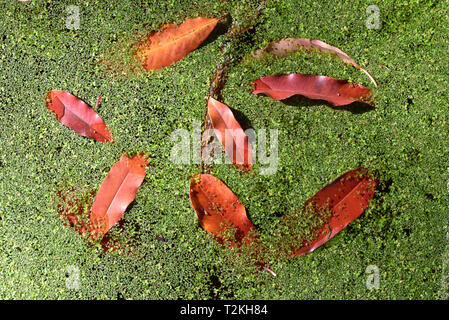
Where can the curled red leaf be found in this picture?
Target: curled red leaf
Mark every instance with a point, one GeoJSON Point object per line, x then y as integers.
{"type": "Point", "coordinates": [288, 45]}
{"type": "Point", "coordinates": [338, 92]}
{"type": "Point", "coordinates": [117, 191]}
{"type": "Point", "coordinates": [77, 115]}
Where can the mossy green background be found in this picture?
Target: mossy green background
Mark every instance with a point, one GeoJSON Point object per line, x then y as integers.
{"type": "Point", "coordinates": [405, 139]}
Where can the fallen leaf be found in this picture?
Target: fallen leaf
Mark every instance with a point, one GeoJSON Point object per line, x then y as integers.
{"type": "Point", "coordinates": [219, 209]}
{"type": "Point", "coordinates": [344, 200]}
{"type": "Point", "coordinates": [163, 48]}
{"type": "Point", "coordinates": [77, 115]}
{"type": "Point", "coordinates": [117, 191]}
{"type": "Point", "coordinates": [338, 92]}
{"type": "Point", "coordinates": [285, 46]}
{"type": "Point", "coordinates": [230, 133]}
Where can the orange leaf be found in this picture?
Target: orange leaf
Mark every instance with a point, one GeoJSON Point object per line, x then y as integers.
{"type": "Point", "coordinates": [345, 199]}
{"type": "Point", "coordinates": [338, 92]}
{"type": "Point", "coordinates": [117, 191]}
{"type": "Point", "coordinates": [227, 127]}
{"type": "Point", "coordinates": [77, 115]}
{"type": "Point", "coordinates": [218, 208]}
{"type": "Point", "coordinates": [163, 48]}
{"type": "Point", "coordinates": [282, 47]}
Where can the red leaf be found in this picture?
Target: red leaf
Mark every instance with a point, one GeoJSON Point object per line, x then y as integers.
{"type": "Point", "coordinates": [77, 115]}
{"type": "Point", "coordinates": [283, 47]}
{"type": "Point", "coordinates": [117, 191]}
{"type": "Point", "coordinates": [163, 48]}
{"type": "Point", "coordinates": [226, 128]}
{"type": "Point", "coordinates": [345, 199]}
{"type": "Point", "coordinates": [218, 208]}
{"type": "Point", "coordinates": [338, 92]}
